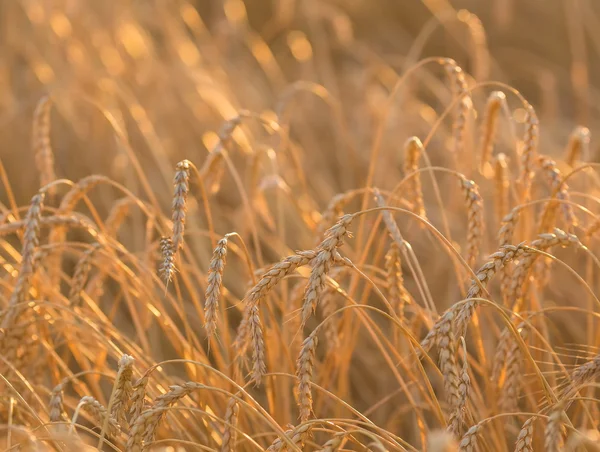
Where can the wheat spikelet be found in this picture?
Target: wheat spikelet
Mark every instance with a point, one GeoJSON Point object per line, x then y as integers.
{"type": "Point", "coordinates": [333, 444]}
{"type": "Point", "coordinates": [99, 412]}
{"type": "Point", "coordinates": [475, 221]}
{"type": "Point", "coordinates": [528, 154]}
{"type": "Point", "coordinates": [489, 126]}
{"type": "Point", "coordinates": [56, 407]}
{"type": "Point", "coordinates": [181, 183]}
{"type": "Point", "coordinates": [123, 390]}
{"type": "Point", "coordinates": [334, 210]}
{"type": "Point", "coordinates": [117, 215]}
{"type": "Point", "coordinates": [446, 344]}
{"type": "Point", "coordinates": [44, 156]}
{"type": "Point", "coordinates": [579, 146]}
{"type": "Point", "coordinates": [330, 327]}
{"type": "Point", "coordinates": [582, 375]}
{"type": "Point", "coordinates": [326, 256]}
{"type": "Point", "coordinates": [213, 288]}
{"type": "Point", "coordinates": [230, 432]}
{"type": "Point", "coordinates": [525, 438]}
{"type": "Point", "coordinates": [413, 148]}
{"type": "Point", "coordinates": [304, 371]}
{"type": "Point", "coordinates": [80, 275]}
{"type": "Point", "coordinates": [468, 443]}
{"type": "Point", "coordinates": [505, 237]}
{"type": "Point", "coordinates": [296, 435]}
{"type": "Point", "coordinates": [167, 268]}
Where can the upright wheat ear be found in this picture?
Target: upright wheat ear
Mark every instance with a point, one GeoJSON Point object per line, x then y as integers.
{"type": "Point", "coordinates": [413, 149]}
{"type": "Point", "coordinates": [304, 373]}
{"type": "Point", "coordinates": [181, 183]}
{"type": "Point", "coordinates": [213, 289]}
{"type": "Point", "coordinates": [475, 222]}
{"type": "Point", "coordinates": [44, 156]}
{"type": "Point", "coordinates": [31, 239]}
{"type": "Point", "coordinates": [525, 438]}
{"type": "Point", "coordinates": [460, 90]}
{"type": "Point", "coordinates": [489, 126]}
{"type": "Point", "coordinates": [501, 186]}
{"type": "Point", "coordinates": [167, 268]}
{"type": "Point", "coordinates": [529, 150]}
{"type": "Point", "coordinates": [579, 146]}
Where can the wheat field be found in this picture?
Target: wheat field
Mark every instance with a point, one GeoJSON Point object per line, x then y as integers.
{"type": "Point", "coordinates": [299, 225]}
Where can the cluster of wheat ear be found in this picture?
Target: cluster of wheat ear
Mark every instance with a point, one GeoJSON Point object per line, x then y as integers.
{"type": "Point", "coordinates": [236, 242]}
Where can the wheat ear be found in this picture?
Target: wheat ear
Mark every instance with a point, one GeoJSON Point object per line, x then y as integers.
{"type": "Point", "coordinates": [230, 432]}
{"type": "Point", "coordinates": [579, 146]}
{"type": "Point", "coordinates": [123, 390]}
{"type": "Point", "coordinates": [457, 417]}
{"type": "Point", "coordinates": [554, 434]}
{"type": "Point", "coordinates": [213, 288]}
{"type": "Point", "coordinates": [44, 156]}
{"type": "Point", "coordinates": [528, 154]}
{"type": "Point", "coordinates": [475, 223]}
{"type": "Point", "coordinates": [56, 406]}
{"type": "Point", "coordinates": [399, 296]}
{"type": "Point", "coordinates": [304, 371]}
{"type": "Point", "coordinates": [413, 149]}
{"type": "Point", "coordinates": [501, 185]}
{"type": "Point", "coordinates": [167, 267]}
{"type": "Point", "coordinates": [489, 126]}
{"type": "Point", "coordinates": [80, 275]}
{"type": "Point", "coordinates": [181, 183]}
{"type": "Point", "coordinates": [326, 256]}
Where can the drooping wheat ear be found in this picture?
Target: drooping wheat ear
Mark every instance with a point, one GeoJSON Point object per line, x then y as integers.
{"type": "Point", "coordinates": [123, 390]}
{"type": "Point", "coordinates": [44, 156]}
{"type": "Point", "coordinates": [457, 417]}
{"type": "Point", "coordinates": [230, 432]}
{"type": "Point", "coordinates": [80, 190]}
{"type": "Point", "coordinates": [138, 397]}
{"type": "Point", "coordinates": [582, 375]}
{"type": "Point", "coordinates": [459, 89]}
{"type": "Point", "coordinates": [56, 407]}
{"type": "Point", "coordinates": [501, 185]}
{"type": "Point", "coordinates": [529, 151]}
{"type": "Point", "coordinates": [489, 126]}
{"type": "Point", "coordinates": [167, 268]}
{"type": "Point", "coordinates": [509, 397]}
{"type": "Point", "coordinates": [213, 288]}
{"type": "Point", "coordinates": [399, 296]}
{"type": "Point", "coordinates": [262, 288]}
{"type": "Point", "coordinates": [525, 439]}
{"type": "Point", "coordinates": [579, 146]}
{"type": "Point", "coordinates": [144, 427]}
{"type": "Point", "coordinates": [446, 344]}
{"type": "Point", "coordinates": [296, 435]}
{"type": "Point", "coordinates": [116, 216]}
{"type": "Point", "coordinates": [333, 444]}
{"type": "Point", "coordinates": [304, 371]}
{"type": "Point", "coordinates": [441, 441]}
{"type": "Point", "coordinates": [464, 312]}
{"type": "Point", "coordinates": [554, 434]}
{"type": "Point", "coordinates": [334, 210]}
{"type": "Point", "coordinates": [475, 223]}
{"type": "Point", "coordinates": [480, 51]}
{"type": "Point", "coordinates": [212, 171]}
{"type": "Point", "coordinates": [31, 238]}
{"type": "Point", "coordinates": [413, 149]}
{"type": "Point", "coordinates": [181, 184]}
{"type": "Point", "coordinates": [80, 275]}
{"type": "Point", "coordinates": [468, 443]}
{"type": "Point", "coordinates": [326, 256]}
{"type": "Point", "coordinates": [97, 410]}
{"type": "Point", "coordinates": [543, 243]}
{"type": "Point", "coordinates": [561, 191]}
